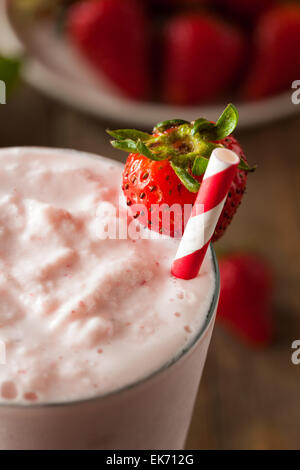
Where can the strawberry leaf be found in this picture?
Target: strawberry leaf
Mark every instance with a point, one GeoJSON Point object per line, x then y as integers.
{"type": "Point", "coordinates": [207, 151]}
{"type": "Point", "coordinates": [199, 166]}
{"type": "Point", "coordinates": [143, 150]}
{"type": "Point", "coordinates": [244, 166]}
{"type": "Point", "coordinates": [133, 134]}
{"type": "Point", "coordinates": [127, 145]}
{"type": "Point", "coordinates": [187, 180]}
{"type": "Point", "coordinates": [225, 125]}
{"type": "Point", "coordinates": [202, 125]}
{"type": "Point", "coordinates": [227, 122]}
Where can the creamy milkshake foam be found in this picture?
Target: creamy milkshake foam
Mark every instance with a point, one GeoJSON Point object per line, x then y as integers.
{"type": "Point", "coordinates": [82, 316]}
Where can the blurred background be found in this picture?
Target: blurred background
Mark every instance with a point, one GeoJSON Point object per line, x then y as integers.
{"type": "Point", "coordinates": [74, 68]}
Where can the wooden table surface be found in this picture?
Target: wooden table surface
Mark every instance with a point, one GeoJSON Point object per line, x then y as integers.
{"type": "Point", "coordinates": [248, 399]}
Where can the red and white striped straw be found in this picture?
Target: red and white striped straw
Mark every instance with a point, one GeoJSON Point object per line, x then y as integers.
{"type": "Point", "coordinates": [221, 169]}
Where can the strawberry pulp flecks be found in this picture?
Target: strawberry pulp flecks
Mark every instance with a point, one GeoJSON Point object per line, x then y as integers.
{"type": "Point", "coordinates": [164, 170]}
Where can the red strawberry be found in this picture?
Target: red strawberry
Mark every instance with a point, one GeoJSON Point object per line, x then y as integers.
{"type": "Point", "coordinates": [202, 56]}
{"type": "Point", "coordinates": [170, 165]}
{"type": "Point", "coordinates": [113, 36]}
{"type": "Point", "coordinates": [245, 299]}
{"type": "Point", "coordinates": [277, 63]}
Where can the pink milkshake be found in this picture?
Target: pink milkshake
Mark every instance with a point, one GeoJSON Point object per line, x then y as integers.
{"type": "Point", "coordinates": [104, 347]}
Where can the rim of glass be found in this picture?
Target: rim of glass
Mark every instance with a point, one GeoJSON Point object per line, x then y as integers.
{"type": "Point", "coordinates": [187, 349]}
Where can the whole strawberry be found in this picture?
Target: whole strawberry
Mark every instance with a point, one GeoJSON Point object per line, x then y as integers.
{"type": "Point", "coordinates": [202, 58]}
{"type": "Point", "coordinates": [276, 64]}
{"type": "Point", "coordinates": [113, 35]}
{"type": "Point", "coordinates": [164, 170]}
{"type": "Point", "coordinates": [245, 304]}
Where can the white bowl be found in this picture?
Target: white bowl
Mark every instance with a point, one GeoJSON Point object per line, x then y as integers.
{"type": "Point", "coordinates": [54, 68]}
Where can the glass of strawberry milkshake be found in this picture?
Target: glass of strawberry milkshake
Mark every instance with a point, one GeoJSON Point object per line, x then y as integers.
{"type": "Point", "coordinates": [104, 347]}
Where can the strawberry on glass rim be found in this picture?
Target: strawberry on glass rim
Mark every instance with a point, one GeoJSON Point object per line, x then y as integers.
{"type": "Point", "coordinates": [166, 168]}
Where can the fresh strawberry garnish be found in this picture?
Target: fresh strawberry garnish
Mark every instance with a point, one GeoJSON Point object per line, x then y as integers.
{"type": "Point", "coordinates": [113, 36]}
{"type": "Point", "coordinates": [166, 168]}
{"type": "Point", "coordinates": [202, 57]}
{"type": "Point", "coordinates": [245, 304]}
{"type": "Point", "coordinates": [276, 64]}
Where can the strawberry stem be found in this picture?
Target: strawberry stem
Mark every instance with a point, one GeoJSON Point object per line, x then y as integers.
{"type": "Point", "coordinates": [189, 182]}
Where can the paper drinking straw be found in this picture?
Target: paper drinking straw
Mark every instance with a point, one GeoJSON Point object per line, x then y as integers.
{"type": "Point", "coordinates": [221, 169]}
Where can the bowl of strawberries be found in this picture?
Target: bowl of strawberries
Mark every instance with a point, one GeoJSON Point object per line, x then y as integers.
{"type": "Point", "coordinates": [140, 61]}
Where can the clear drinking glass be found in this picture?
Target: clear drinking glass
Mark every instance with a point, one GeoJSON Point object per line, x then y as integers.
{"type": "Point", "coordinates": [152, 413]}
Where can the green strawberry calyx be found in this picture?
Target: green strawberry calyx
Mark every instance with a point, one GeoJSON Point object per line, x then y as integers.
{"type": "Point", "coordinates": [186, 145]}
